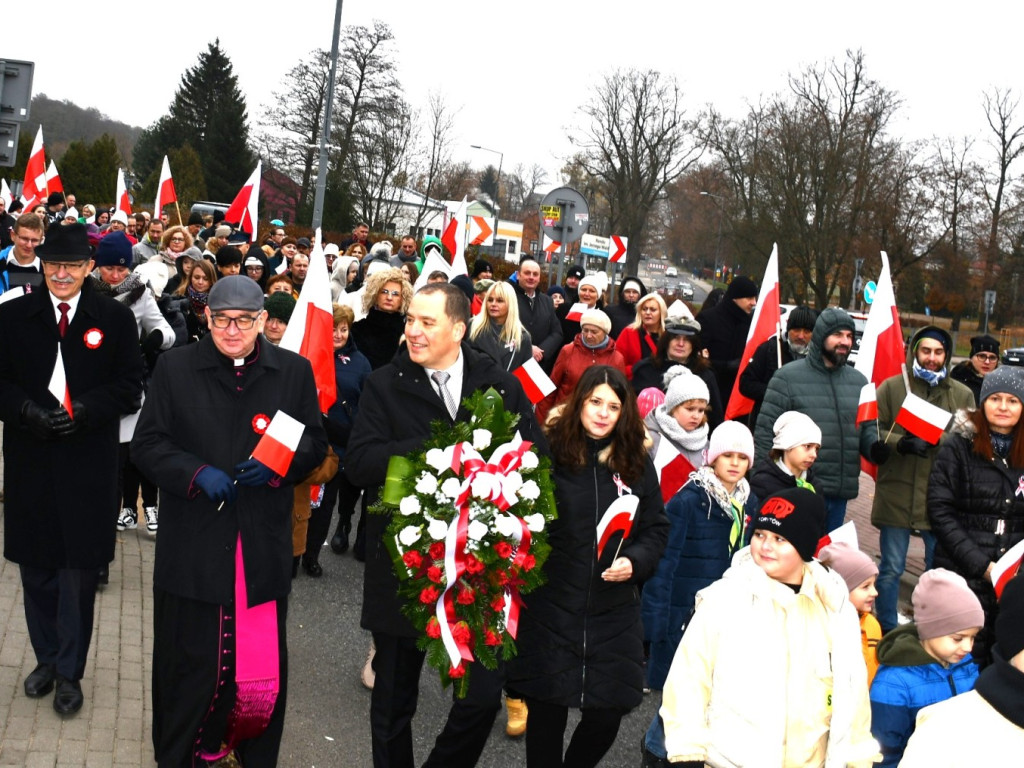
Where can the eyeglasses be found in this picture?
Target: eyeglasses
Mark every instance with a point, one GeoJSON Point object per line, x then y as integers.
{"type": "Point", "coordinates": [177, 239]}
{"type": "Point", "coordinates": [54, 266]}
{"type": "Point", "coordinates": [985, 358]}
{"type": "Point", "coordinates": [242, 323]}
{"type": "Point", "coordinates": [386, 292]}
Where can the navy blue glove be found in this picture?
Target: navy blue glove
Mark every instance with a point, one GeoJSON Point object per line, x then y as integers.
{"type": "Point", "coordinates": [216, 485]}
{"type": "Point", "coordinates": [253, 473]}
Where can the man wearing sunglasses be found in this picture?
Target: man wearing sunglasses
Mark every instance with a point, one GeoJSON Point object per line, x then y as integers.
{"type": "Point", "coordinates": [983, 360]}
{"type": "Point", "coordinates": [225, 531]}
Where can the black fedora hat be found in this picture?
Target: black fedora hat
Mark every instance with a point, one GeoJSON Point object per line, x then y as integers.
{"type": "Point", "coordinates": [65, 243]}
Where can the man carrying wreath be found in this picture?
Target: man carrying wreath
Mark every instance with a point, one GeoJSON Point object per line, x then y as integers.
{"type": "Point", "coordinates": [425, 382]}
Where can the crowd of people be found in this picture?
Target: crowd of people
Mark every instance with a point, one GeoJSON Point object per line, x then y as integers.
{"type": "Point", "coordinates": [142, 359]}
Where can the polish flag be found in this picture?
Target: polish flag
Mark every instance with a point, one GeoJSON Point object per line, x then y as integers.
{"type": "Point", "coordinates": [536, 383]}
{"type": "Point", "coordinates": [576, 311]}
{"type": "Point", "coordinates": [33, 190]}
{"type": "Point", "coordinates": [244, 211]}
{"type": "Point", "coordinates": [310, 331]}
{"type": "Point", "coordinates": [844, 534]}
{"type": "Point", "coordinates": [882, 353]}
{"type": "Point", "coordinates": [58, 385]}
{"type": "Point", "coordinates": [165, 194]}
{"type": "Point", "coordinates": [1007, 567]}
{"type": "Point", "coordinates": [5, 194]}
{"type": "Point", "coordinates": [550, 246]}
{"type": "Point", "coordinates": [766, 324]}
{"type": "Point", "coordinates": [618, 518]}
{"type": "Point", "coordinates": [124, 202]}
{"type": "Point", "coordinates": [673, 469]}
{"type": "Point", "coordinates": [921, 418]}
{"type": "Point", "coordinates": [53, 182]}
{"type": "Point", "coordinates": [454, 239]}
{"type": "Point", "coordinates": [277, 447]}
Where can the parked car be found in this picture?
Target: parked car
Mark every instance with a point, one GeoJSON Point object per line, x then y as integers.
{"type": "Point", "coordinates": [1014, 356]}
{"type": "Point", "coordinates": [685, 290]}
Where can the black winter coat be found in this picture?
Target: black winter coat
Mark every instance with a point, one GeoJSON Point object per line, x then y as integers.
{"type": "Point", "coordinates": [759, 371]}
{"type": "Point", "coordinates": [724, 333]}
{"type": "Point", "coordinates": [538, 317]}
{"type": "Point", "coordinates": [396, 408]}
{"type": "Point", "coordinates": [62, 496]}
{"type": "Point", "coordinates": [580, 638]}
{"type": "Point", "coordinates": [377, 336]}
{"type": "Point", "coordinates": [976, 515]}
{"type": "Point", "coordinates": [964, 373]}
{"type": "Point", "coordinates": [195, 416]}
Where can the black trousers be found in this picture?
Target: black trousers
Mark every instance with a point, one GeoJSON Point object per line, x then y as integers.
{"type": "Point", "coordinates": [397, 666]}
{"type": "Point", "coordinates": [545, 731]}
{"type": "Point", "coordinates": [59, 605]}
{"type": "Point", "coordinates": [132, 480]}
{"type": "Point", "coordinates": [193, 683]}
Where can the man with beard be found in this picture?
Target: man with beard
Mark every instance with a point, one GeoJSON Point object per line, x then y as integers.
{"type": "Point", "coordinates": [826, 389]}
{"type": "Point", "coordinates": [765, 360]}
{"type": "Point", "coordinates": [901, 490]}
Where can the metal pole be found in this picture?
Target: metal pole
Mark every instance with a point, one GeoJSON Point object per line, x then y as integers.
{"type": "Point", "coordinates": [321, 173]}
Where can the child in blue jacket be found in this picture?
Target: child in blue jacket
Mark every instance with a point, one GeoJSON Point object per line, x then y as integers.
{"type": "Point", "coordinates": [925, 662]}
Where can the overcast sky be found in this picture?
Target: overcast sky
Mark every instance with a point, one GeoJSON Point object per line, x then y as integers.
{"type": "Point", "coordinates": [519, 71]}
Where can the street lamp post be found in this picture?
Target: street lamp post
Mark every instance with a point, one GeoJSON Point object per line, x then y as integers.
{"type": "Point", "coordinates": [718, 242]}
{"type": "Point", "coordinates": [497, 192]}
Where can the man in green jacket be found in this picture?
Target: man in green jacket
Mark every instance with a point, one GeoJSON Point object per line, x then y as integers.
{"type": "Point", "coordinates": [901, 489]}
{"type": "Point", "coordinates": [826, 389]}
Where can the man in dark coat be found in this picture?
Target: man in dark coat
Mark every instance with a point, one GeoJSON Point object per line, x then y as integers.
{"type": "Point", "coordinates": [397, 406]}
{"type": "Point", "coordinates": [765, 360]}
{"type": "Point", "coordinates": [60, 471]}
{"type": "Point", "coordinates": [724, 331]}
{"type": "Point", "coordinates": [623, 312]}
{"type": "Point", "coordinates": [206, 409]}
{"type": "Point", "coordinates": [537, 314]}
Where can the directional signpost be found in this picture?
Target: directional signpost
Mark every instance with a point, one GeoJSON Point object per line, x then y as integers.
{"type": "Point", "coordinates": [869, 291]}
{"type": "Point", "coordinates": [564, 217]}
{"type": "Point", "coordinates": [481, 231]}
{"type": "Point", "coordinates": [617, 251]}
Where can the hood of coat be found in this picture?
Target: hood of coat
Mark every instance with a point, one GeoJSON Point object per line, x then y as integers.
{"type": "Point", "coordinates": [947, 342]}
{"type": "Point", "coordinates": [902, 648]}
{"type": "Point", "coordinates": [829, 321]}
{"type": "Point", "coordinates": [827, 584]}
{"type": "Point", "coordinates": [631, 278]}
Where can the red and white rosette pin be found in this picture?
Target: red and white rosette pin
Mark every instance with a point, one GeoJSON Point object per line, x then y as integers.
{"type": "Point", "coordinates": [260, 422]}
{"type": "Point", "coordinates": [93, 338]}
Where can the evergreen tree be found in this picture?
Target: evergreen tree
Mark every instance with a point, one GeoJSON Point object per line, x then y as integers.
{"type": "Point", "coordinates": [90, 170]}
{"type": "Point", "coordinates": [189, 183]}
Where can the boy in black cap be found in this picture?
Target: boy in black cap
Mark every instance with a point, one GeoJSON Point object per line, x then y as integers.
{"type": "Point", "coordinates": [801, 698]}
{"type": "Point", "coordinates": [983, 360]}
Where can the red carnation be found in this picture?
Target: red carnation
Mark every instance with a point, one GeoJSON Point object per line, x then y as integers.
{"type": "Point", "coordinates": [503, 549]}
{"type": "Point", "coordinates": [456, 672]}
{"type": "Point", "coordinates": [433, 628]}
{"type": "Point", "coordinates": [498, 604]}
{"type": "Point", "coordinates": [437, 550]}
{"type": "Point", "coordinates": [435, 574]}
{"type": "Point", "coordinates": [502, 578]}
{"type": "Point", "coordinates": [429, 595]}
{"type": "Point", "coordinates": [412, 559]}
{"type": "Point", "coordinates": [473, 565]}
{"type": "Point", "coordinates": [461, 633]}
{"type": "Point", "coordinates": [490, 638]}
{"type": "Point", "coordinates": [466, 597]}
{"type": "Point", "coordinates": [529, 562]}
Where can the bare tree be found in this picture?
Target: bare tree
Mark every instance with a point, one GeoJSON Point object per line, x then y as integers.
{"type": "Point", "coordinates": [520, 186]}
{"type": "Point", "coordinates": [378, 164]}
{"type": "Point", "coordinates": [1007, 140]}
{"type": "Point", "coordinates": [440, 122]}
{"type": "Point", "coordinates": [637, 141]}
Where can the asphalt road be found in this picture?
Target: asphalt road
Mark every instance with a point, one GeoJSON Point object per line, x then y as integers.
{"type": "Point", "coordinates": [327, 722]}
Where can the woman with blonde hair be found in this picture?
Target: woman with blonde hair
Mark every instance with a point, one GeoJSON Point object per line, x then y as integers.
{"type": "Point", "coordinates": [497, 331]}
{"type": "Point", "coordinates": [639, 339]}
{"type": "Point", "coordinates": [386, 297]}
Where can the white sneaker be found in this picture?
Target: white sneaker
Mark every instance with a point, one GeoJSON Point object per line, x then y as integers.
{"type": "Point", "coordinates": [127, 520]}
{"type": "Point", "coordinates": [367, 676]}
{"type": "Point", "coordinates": [150, 520]}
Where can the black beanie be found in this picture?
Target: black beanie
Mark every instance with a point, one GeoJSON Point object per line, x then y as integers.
{"type": "Point", "coordinates": [801, 317]}
{"type": "Point", "coordinates": [796, 514]}
{"type": "Point", "coordinates": [228, 255]}
{"type": "Point", "coordinates": [479, 267]}
{"type": "Point", "coordinates": [741, 288]}
{"type": "Point", "coordinates": [984, 343]}
{"type": "Point", "coordinates": [1010, 622]}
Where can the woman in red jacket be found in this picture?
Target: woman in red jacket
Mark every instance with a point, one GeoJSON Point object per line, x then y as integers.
{"type": "Point", "coordinates": [640, 339]}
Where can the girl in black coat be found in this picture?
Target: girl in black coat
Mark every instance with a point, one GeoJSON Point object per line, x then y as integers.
{"type": "Point", "coordinates": [580, 639]}
{"type": "Point", "coordinates": [975, 504]}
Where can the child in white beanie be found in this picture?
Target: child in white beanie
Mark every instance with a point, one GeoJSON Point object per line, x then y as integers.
{"type": "Point", "coordinates": [794, 450]}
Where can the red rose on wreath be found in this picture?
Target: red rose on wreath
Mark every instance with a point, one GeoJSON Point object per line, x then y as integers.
{"type": "Point", "coordinates": [529, 562]}
{"type": "Point", "coordinates": [456, 672]}
{"type": "Point", "coordinates": [503, 549]}
{"type": "Point", "coordinates": [490, 638]}
{"type": "Point", "coordinates": [435, 574]}
{"type": "Point", "coordinates": [412, 559]}
{"type": "Point", "coordinates": [473, 565]}
{"type": "Point", "coordinates": [498, 604]}
{"type": "Point", "coordinates": [461, 633]}
{"type": "Point", "coordinates": [466, 597]}
{"type": "Point", "coordinates": [429, 595]}
{"type": "Point", "coordinates": [433, 628]}
{"type": "Point", "coordinates": [501, 578]}
{"type": "Point", "coordinates": [437, 551]}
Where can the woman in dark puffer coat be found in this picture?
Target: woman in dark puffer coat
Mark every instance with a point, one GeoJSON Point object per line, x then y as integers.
{"type": "Point", "coordinates": [580, 641]}
{"type": "Point", "coordinates": [975, 499]}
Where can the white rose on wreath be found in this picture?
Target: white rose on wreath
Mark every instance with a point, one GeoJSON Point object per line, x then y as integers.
{"type": "Point", "coordinates": [451, 487]}
{"type": "Point", "coordinates": [410, 505]}
{"type": "Point", "coordinates": [481, 438]}
{"type": "Point", "coordinates": [535, 522]}
{"type": "Point", "coordinates": [435, 458]}
{"type": "Point", "coordinates": [437, 529]}
{"type": "Point", "coordinates": [513, 482]}
{"type": "Point", "coordinates": [530, 491]}
{"type": "Point", "coordinates": [528, 461]}
{"type": "Point", "coordinates": [477, 531]}
{"type": "Point", "coordinates": [426, 483]}
{"type": "Point", "coordinates": [506, 525]}
{"type": "Point", "coordinates": [409, 535]}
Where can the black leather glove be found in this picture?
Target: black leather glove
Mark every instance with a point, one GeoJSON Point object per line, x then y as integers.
{"type": "Point", "coordinates": [253, 473]}
{"type": "Point", "coordinates": [39, 420]}
{"type": "Point", "coordinates": [153, 341]}
{"type": "Point", "coordinates": [216, 485]}
{"type": "Point", "coordinates": [879, 452]}
{"type": "Point", "coordinates": [912, 444]}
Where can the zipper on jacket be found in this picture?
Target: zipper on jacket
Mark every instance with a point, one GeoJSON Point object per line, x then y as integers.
{"type": "Point", "coordinates": [590, 581]}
